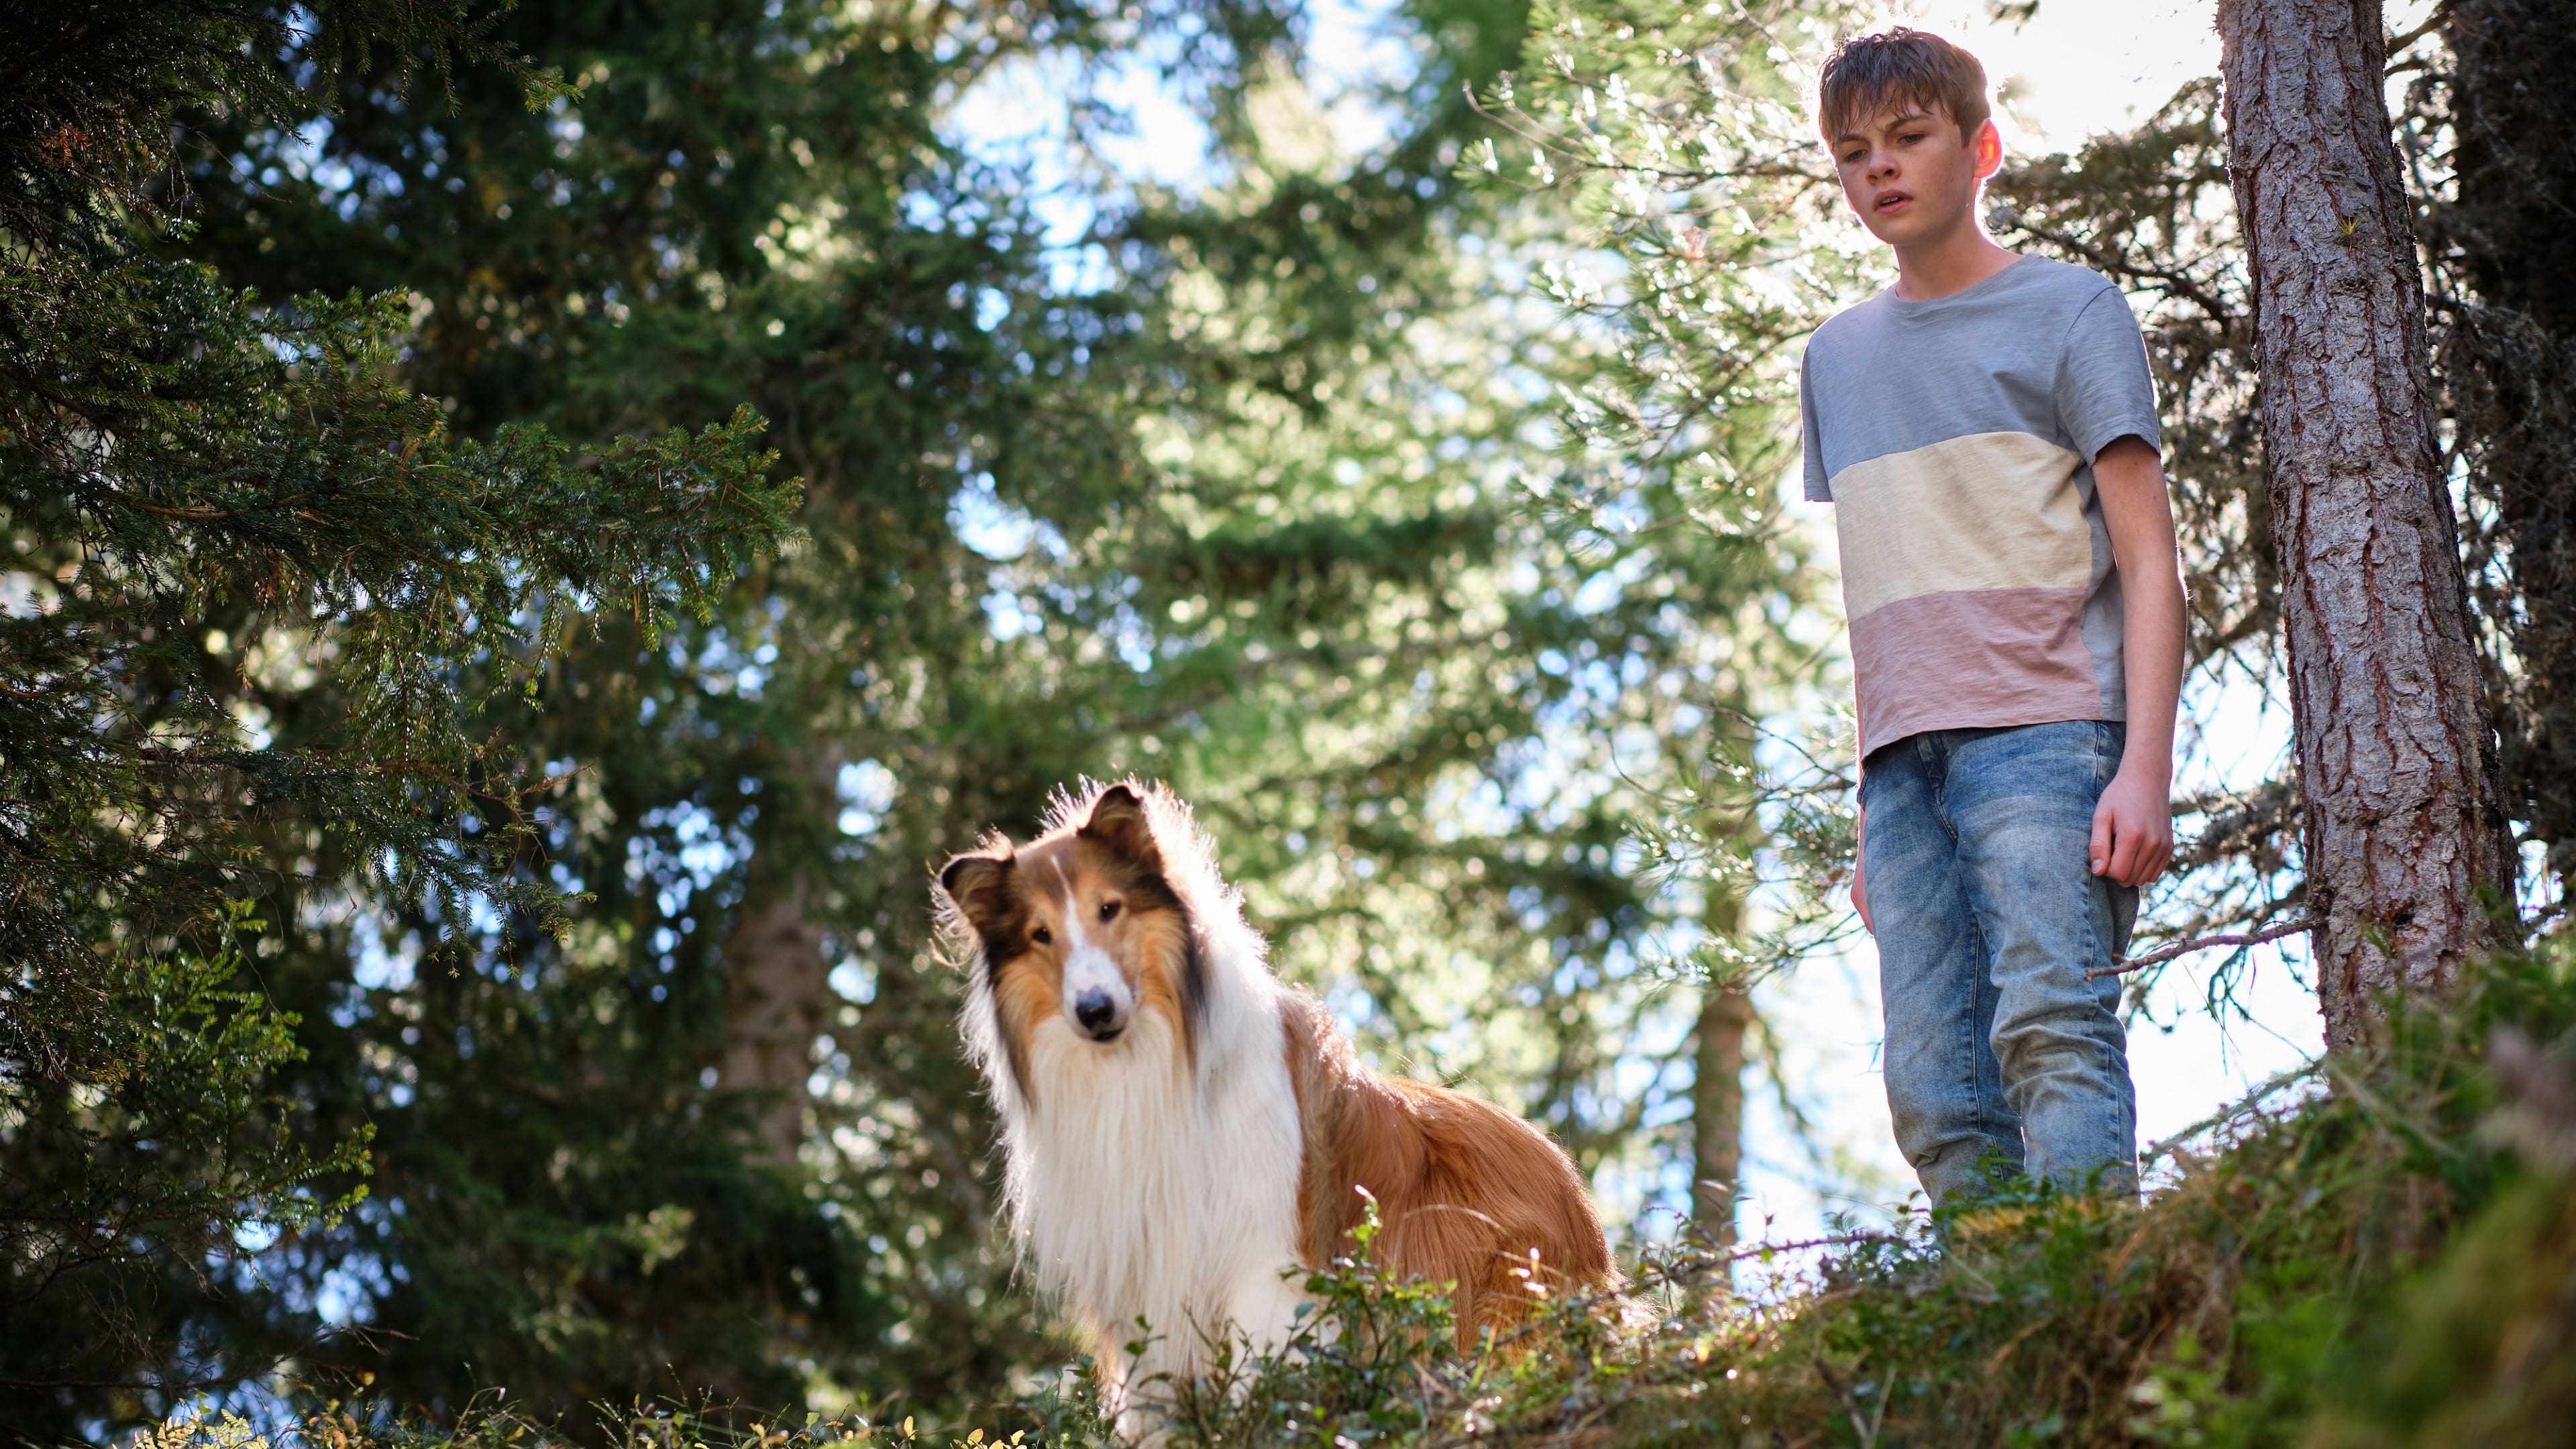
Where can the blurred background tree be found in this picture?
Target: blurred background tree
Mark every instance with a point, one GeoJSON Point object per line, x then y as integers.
{"type": "Point", "coordinates": [1250, 484]}
{"type": "Point", "coordinates": [1411, 502]}
{"type": "Point", "coordinates": [189, 475]}
{"type": "Point", "coordinates": [2491, 148]}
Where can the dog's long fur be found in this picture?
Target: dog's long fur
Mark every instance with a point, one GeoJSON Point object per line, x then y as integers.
{"type": "Point", "coordinates": [1179, 1170]}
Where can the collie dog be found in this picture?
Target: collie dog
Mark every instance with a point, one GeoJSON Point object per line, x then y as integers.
{"type": "Point", "coordinates": [1182, 1131]}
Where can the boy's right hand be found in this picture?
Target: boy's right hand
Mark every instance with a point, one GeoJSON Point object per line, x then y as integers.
{"type": "Point", "coordinates": [1860, 898]}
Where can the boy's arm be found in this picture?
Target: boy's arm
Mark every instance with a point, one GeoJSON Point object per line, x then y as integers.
{"type": "Point", "coordinates": [2133, 825]}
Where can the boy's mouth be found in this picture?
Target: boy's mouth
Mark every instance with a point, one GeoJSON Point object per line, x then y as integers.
{"type": "Point", "coordinates": [1888, 201]}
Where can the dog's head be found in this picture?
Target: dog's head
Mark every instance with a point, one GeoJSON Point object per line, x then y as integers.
{"type": "Point", "coordinates": [1081, 927]}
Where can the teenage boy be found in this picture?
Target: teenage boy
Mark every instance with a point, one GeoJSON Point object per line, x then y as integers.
{"type": "Point", "coordinates": [1986, 430]}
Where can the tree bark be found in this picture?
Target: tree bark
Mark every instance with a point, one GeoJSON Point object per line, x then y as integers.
{"type": "Point", "coordinates": [2508, 358]}
{"type": "Point", "coordinates": [775, 986]}
{"type": "Point", "coordinates": [1717, 1111]}
{"type": "Point", "coordinates": [2408, 863]}
{"type": "Point", "coordinates": [1725, 1009]}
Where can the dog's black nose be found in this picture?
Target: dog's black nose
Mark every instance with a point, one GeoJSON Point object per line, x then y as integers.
{"type": "Point", "coordinates": [1097, 1015]}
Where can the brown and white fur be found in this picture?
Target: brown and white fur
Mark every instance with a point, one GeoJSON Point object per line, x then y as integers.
{"type": "Point", "coordinates": [1180, 1128]}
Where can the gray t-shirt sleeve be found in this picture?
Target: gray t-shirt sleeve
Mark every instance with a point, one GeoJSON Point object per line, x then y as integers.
{"type": "Point", "coordinates": [1819, 488]}
{"type": "Point", "coordinates": [2104, 390]}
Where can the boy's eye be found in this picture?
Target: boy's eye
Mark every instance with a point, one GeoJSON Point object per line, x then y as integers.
{"type": "Point", "coordinates": [1041, 935]}
{"type": "Point", "coordinates": [1108, 910]}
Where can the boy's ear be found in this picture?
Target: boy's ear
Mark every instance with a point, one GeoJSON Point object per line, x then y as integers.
{"type": "Point", "coordinates": [1988, 144]}
{"type": "Point", "coordinates": [1118, 825]}
{"type": "Point", "coordinates": [982, 886]}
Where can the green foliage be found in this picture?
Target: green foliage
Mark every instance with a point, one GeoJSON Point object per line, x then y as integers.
{"type": "Point", "coordinates": [1681, 135]}
{"type": "Point", "coordinates": [173, 456]}
{"type": "Point", "coordinates": [2487, 1353]}
{"type": "Point", "coordinates": [1243, 500]}
{"type": "Point", "coordinates": [198, 487]}
{"type": "Point", "coordinates": [171, 1132]}
{"type": "Point", "coordinates": [1677, 136]}
{"type": "Point", "coordinates": [1367, 1364]}
{"type": "Point", "coordinates": [1282, 493]}
{"type": "Point", "coordinates": [1251, 514]}
{"type": "Point", "coordinates": [2385, 1262]}
{"type": "Point", "coordinates": [2262, 1290]}
{"type": "Point", "coordinates": [85, 130]}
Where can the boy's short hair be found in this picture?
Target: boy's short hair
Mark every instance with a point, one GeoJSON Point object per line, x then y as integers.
{"type": "Point", "coordinates": [1869, 73]}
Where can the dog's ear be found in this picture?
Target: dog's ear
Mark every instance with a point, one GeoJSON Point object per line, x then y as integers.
{"type": "Point", "coordinates": [984, 888]}
{"type": "Point", "coordinates": [1118, 824]}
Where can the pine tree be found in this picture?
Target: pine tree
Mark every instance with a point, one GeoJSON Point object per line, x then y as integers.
{"type": "Point", "coordinates": [572, 1195]}
{"type": "Point", "coordinates": [2409, 864]}
{"type": "Point", "coordinates": [185, 472]}
{"type": "Point", "coordinates": [1250, 514]}
{"type": "Point", "coordinates": [1262, 507]}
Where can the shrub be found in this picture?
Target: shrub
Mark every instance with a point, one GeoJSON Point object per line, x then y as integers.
{"type": "Point", "coordinates": [2380, 1251]}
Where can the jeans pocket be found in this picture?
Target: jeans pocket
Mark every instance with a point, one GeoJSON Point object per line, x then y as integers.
{"type": "Point", "coordinates": [2110, 740]}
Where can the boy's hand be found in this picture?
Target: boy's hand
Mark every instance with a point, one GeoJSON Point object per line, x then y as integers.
{"type": "Point", "coordinates": [2133, 827]}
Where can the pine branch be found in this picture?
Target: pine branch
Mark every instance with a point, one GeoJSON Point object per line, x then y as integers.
{"type": "Point", "coordinates": [2163, 954]}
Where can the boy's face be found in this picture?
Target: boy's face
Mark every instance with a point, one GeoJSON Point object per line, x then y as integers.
{"type": "Point", "coordinates": [1909, 172]}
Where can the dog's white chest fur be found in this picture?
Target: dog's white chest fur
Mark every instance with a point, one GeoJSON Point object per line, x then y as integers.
{"type": "Point", "coordinates": [1141, 1190]}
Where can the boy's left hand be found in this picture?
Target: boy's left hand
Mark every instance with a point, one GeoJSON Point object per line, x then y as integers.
{"type": "Point", "coordinates": [2133, 828]}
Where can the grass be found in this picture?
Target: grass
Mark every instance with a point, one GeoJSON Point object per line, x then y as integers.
{"type": "Point", "coordinates": [2388, 1261]}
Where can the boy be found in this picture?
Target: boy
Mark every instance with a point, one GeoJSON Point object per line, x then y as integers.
{"type": "Point", "coordinates": [1986, 430]}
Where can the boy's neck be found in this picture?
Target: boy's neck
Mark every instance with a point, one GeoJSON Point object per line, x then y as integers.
{"type": "Point", "coordinates": [1958, 258]}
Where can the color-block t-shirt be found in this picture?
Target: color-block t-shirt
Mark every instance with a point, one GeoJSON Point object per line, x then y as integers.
{"type": "Point", "coordinates": [1955, 438]}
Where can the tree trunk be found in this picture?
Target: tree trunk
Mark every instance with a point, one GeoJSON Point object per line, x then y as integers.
{"type": "Point", "coordinates": [2408, 860]}
{"type": "Point", "coordinates": [1717, 1111]}
{"type": "Point", "coordinates": [2509, 361]}
{"type": "Point", "coordinates": [1725, 1009]}
{"type": "Point", "coordinates": [775, 986]}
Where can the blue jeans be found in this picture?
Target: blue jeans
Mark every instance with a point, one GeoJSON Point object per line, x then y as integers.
{"type": "Point", "coordinates": [2001, 1058]}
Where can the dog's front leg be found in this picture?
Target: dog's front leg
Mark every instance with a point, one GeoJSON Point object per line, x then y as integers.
{"type": "Point", "coordinates": [1262, 1306]}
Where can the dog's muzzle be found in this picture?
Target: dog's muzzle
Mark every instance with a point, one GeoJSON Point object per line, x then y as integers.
{"type": "Point", "coordinates": [1098, 1015]}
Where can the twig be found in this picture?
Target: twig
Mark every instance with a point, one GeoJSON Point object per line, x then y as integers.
{"type": "Point", "coordinates": [2399, 44]}
{"type": "Point", "coordinates": [1863, 1429]}
{"type": "Point", "coordinates": [2163, 954]}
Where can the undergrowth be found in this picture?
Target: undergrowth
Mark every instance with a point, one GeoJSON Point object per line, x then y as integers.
{"type": "Point", "coordinates": [2381, 1252]}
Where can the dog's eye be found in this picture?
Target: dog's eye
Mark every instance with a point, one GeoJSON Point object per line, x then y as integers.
{"type": "Point", "coordinates": [1108, 910]}
{"type": "Point", "coordinates": [1041, 936]}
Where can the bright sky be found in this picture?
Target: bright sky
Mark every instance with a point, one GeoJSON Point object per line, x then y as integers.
{"type": "Point", "coordinates": [2078, 67]}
